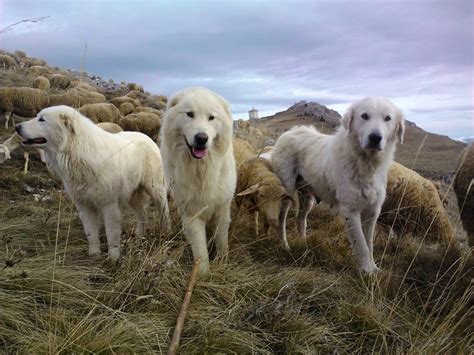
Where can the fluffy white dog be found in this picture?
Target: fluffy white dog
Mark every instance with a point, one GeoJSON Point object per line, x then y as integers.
{"type": "Point", "coordinates": [199, 166]}
{"type": "Point", "coordinates": [100, 171]}
{"type": "Point", "coordinates": [348, 170]}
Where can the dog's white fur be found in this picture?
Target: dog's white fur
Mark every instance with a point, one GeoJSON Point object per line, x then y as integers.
{"type": "Point", "coordinates": [202, 189]}
{"type": "Point", "coordinates": [101, 171]}
{"type": "Point", "coordinates": [343, 170]}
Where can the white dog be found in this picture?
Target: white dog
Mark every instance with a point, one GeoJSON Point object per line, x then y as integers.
{"type": "Point", "coordinates": [199, 166]}
{"type": "Point", "coordinates": [100, 171]}
{"type": "Point", "coordinates": [348, 169]}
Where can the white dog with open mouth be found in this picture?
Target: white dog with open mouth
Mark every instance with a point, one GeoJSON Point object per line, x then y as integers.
{"type": "Point", "coordinates": [348, 169]}
{"type": "Point", "coordinates": [199, 166]}
{"type": "Point", "coordinates": [101, 171]}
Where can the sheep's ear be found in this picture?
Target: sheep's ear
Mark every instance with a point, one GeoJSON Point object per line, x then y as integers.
{"type": "Point", "coordinates": [68, 123]}
{"type": "Point", "coordinates": [250, 190]}
{"type": "Point", "coordinates": [401, 127]}
{"type": "Point", "coordinates": [347, 119]}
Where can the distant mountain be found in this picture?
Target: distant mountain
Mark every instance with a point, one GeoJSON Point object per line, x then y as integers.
{"type": "Point", "coordinates": [304, 113]}
{"type": "Point", "coordinates": [432, 155]}
{"type": "Point", "coordinates": [467, 140]}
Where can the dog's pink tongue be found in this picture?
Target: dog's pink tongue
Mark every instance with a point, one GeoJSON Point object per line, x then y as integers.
{"type": "Point", "coordinates": [199, 152]}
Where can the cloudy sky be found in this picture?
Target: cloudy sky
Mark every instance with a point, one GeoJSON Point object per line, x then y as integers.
{"type": "Point", "coordinates": [269, 54]}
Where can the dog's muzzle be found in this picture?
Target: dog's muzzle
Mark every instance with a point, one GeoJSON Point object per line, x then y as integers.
{"type": "Point", "coordinates": [199, 148]}
{"type": "Point", "coordinates": [374, 140]}
{"type": "Point", "coordinates": [29, 141]}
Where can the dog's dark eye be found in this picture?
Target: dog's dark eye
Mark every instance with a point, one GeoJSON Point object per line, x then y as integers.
{"type": "Point", "coordinates": [387, 118]}
{"type": "Point", "coordinates": [365, 116]}
{"type": "Point", "coordinates": [41, 119]}
{"type": "Point", "coordinates": [211, 117]}
{"type": "Point", "coordinates": [190, 114]}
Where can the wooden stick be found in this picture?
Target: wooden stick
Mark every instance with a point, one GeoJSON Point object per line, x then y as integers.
{"type": "Point", "coordinates": [184, 308]}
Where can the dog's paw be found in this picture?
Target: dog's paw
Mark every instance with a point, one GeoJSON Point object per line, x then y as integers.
{"type": "Point", "coordinates": [369, 268]}
{"type": "Point", "coordinates": [94, 251]}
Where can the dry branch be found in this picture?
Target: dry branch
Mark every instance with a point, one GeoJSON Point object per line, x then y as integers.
{"type": "Point", "coordinates": [184, 308]}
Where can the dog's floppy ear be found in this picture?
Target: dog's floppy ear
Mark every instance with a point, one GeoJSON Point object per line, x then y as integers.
{"type": "Point", "coordinates": [67, 122]}
{"type": "Point", "coordinates": [224, 104]}
{"type": "Point", "coordinates": [348, 118]}
{"type": "Point", "coordinates": [250, 190]}
{"type": "Point", "coordinates": [175, 99]}
{"type": "Point", "coordinates": [400, 127]}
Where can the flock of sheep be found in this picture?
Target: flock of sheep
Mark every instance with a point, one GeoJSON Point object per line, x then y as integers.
{"type": "Point", "coordinates": [412, 203]}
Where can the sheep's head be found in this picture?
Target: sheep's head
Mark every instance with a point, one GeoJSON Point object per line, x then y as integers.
{"type": "Point", "coordinates": [267, 198]}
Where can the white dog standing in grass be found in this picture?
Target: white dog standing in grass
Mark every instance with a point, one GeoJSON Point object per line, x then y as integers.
{"type": "Point", "coordinates": [101, 171]}
{"type": "Point", "coordinates": [199, 166]}
{"type": "Point", "coordinates": [348, 169]}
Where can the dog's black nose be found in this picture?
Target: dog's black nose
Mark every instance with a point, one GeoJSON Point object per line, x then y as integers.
{"type": "Point", "coordinates": [18, 128]}
{"type": "Point", "coordinates": [201, 139]}
{"type": "Point", "coordinates": [375, 138]}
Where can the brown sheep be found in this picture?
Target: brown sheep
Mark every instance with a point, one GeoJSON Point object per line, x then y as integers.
{"type": "Point", "coordinates": [161, 98]}
{"type": "Point", "coordinates": [147, 109]}
{"type": "Point", "coordinates": [110, 127]}
{"type": "Point", "coordinates": [464, 188]}
{"type": "Point", "coordinates": [20, 54]}
{"type": "Point", "coordinates": [243, 124]}
{"type": "Point", "coordinates": [144, 122]}
{"type": "Point", "coordinates": [117, 101]}
{"type": "Point", "coordinates": [242, 151]}
{"type": "Point", "coordinates": [83, 86]}
{"type": "Point", "coordinates": [156, 102]}
{"type": "Point", "coordinates": [101, 112]}
{"type": "Point", "coordinates": [38, 70]}
{"type": "Point", "coordinates": [260, 190]}
{"type": "Point", "coordinates": [126, 108]}
{"type": "Point", "coordinates": [41, 83]}
{"type": "Point", "coordinates": [135, 87]}
{"type": "Point", "coordinates": [59, 81]}
{"type": "Point", "coordinates": [22, 101]}
{"type": "Point", "coordinates": [136, 95]}
{"type": "Point", "coordinates": [92, 96]}
{"type": "Point", "coordinates": [30, 62]}
{"type": "Point", "coordinates": [7, 61]}
{"type": "Point", "coordinates": [76, 98]}
{"type": "Point", "coordinates": [413, 205]}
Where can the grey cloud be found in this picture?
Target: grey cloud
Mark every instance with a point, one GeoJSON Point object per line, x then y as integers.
{"type": "Point", "coordinates": [264, 54]}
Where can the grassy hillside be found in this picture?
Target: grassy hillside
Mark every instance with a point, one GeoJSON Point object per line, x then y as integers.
{"type": "Point", "coordinates": [264, 299]}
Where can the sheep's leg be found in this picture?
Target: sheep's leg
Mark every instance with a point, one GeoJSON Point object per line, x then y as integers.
{"type": "Point", "coordinates": [26, 155]}
{"type": "Point", "coordinates": [195, 233]}
{"type": "Point", "coordinates": [255, 216]}
{"type": "Point", "coordinates": [113, 229]}
{"type": "Point", "coordinates": [139, 203]}
{"type": "Point", "coordinates": [42, 155]}
{"type": "Point", "coordinates": [266, 227]}
{"type": "Point", "coordinates": [369, 219]}
{"type": "Point", "coordinates": [287, 175]}
{"type": "Point", "coordinates": [285, 207]}
{"type": "Point", "coordinates": [91, 223]}
{"type": "Point", "coordinates": [306, 203]}
{"type": "Point", "coordinates": [8, 114]}
{"type": "Point", "coordinates": [356, 237]}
